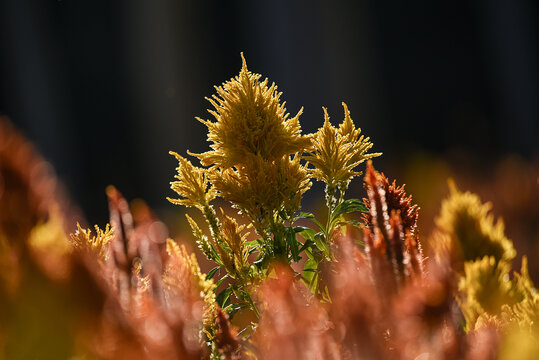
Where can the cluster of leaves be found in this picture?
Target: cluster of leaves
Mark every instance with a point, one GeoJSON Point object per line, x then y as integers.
{"type": "Point", "coordinates": [279, 289]}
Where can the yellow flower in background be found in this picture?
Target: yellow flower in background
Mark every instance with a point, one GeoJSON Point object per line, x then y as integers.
{"type": "Point", "coordinates": [250, 121]}
{"type": "Point", "coordinates": [49, 236]}
{"type": "Point", "coordinates": [525, 313]}
{"type": "Point", "coordinates": [485, 287]}
{"type": "Point", "coordinates": [192, 185]}
{"type": "Point", "coordinates": [467, 231]}
{"type": "Point", "coordinates": [50, 245]}
{"type": "Point", "coordinates": [487, 294]}
{"type": "Point", "coordinates": [338, 151]}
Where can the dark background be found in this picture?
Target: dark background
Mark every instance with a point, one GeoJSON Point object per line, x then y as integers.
{"type": "Point", "coordinates": [106, 88]}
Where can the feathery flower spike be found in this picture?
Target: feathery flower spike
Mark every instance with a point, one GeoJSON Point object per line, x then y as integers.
{"type": "Point", "coordinates": [98, 244]}
{"type": "Point", "coordinates": [192, 185]}
{"type": "Point", "coordinates": [338, 151]}
{"type": "Point", "coordinates": [250, 121]}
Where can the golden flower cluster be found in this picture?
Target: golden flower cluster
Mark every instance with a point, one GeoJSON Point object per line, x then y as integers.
{"type": "Point", "coordinates": [481, 256]}
{"type": "Point", "coordinates": [250, 122]}
{"type": "Point", "coordinates": [337, 152]}
{"type": "Point", "coordinates": [255, 161]}
{"type": "Point", "coordinates": [97, 244]}
{"type": "Point", "coordinates": [192, 185]}
{"type": "Point", "coordinates": [182, 277]}
{"type": "Point", "coordinates": [467, 230]}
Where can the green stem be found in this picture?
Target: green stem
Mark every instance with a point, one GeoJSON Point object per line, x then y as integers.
{"type": "Point", "coordinates": [331, 204]}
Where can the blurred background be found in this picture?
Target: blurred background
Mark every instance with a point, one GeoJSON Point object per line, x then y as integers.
{"type": "Point", "coordinates": [445, 89]}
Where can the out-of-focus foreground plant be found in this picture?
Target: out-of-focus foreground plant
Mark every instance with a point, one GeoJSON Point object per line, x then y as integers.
{"type": "Point", "coordinates": [278, 288]}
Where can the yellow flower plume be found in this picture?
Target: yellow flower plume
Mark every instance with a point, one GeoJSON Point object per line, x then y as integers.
{"type": "Point", "coordinates": [466, 230]}
{"type": "Point", "coordinates": [338, 151]}
{"type": "Point", "coordinates": [98, 244]}
{"type": "Point", "coordinates": [261, 189]}
{"type": "Point", "coordinates": [182, 277]}
{"type": "Point", "coordinates": [235, 237]}
{"type": "Point", "coordinates": [192, 185]}
{"type": "Point", "coordinates": [250, 121]}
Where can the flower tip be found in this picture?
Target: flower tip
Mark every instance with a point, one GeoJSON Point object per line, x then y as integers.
{"type": "Point", "coordinates": [346, 111]}
{"type": "Point", "coordinates": [326, 116]}
{"type": "Point", "coordinates": [243, 62]}
{"type": "Point", "coordinates": [453, 189]}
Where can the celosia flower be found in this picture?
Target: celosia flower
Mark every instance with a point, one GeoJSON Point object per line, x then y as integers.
{"type": "Point", "coordinates": [396, 200]}
{"type": "Point", "coordinates": [262, 188]}
{"type": "Point", "coordinates": [250, 121]}
{"type": "Point", "coordinates": [201, 239]}
{"type": "Point", "coordinates": [488, 295]}
{"type": "Point", "coordinates": [338, 151]}
{"type": "Point", "coordinates": [50, 246]}
{"type": "Point", "coordinates": [97, 244]}
{"type": "Point", "coordinates": [182, 278]}
{"type": "Point", "coordinates": [192, 185]}
{"type": "Point", "coordinates": [235, 237]}
{"type": "Point", "coordinates": [390, 243]}
{"type": "Point", "coordinates": [467, 231]}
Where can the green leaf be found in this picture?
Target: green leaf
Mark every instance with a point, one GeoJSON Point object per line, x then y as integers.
{"type": "Point", "coordinates": [283, 215]}
{"type": "Point", "coordinates": [293, 243]}
{"type": "Point", "coordinates": [351, 222]}
{"type": "Point", "coordinates": [308, 234]}
{"type": "Point", "coordinates": [221, 280]}
{"type": "Point", "coordinates": [310, 216]}
{"type": "Point", "coordinates": [223, 297]}
{"type": "Point", "coordinates": [299, 229]}
{"type": "Point", "coordinates": [262, 261]}
{"type": "Point", "coordinates": [322, 245]}
{"type": "Point", "coordinates": [212, 272]}
{"type": "Point", "coordinates": [254, 245]}
{"type": "Point", "coordinates": [348, 206]}
{"type": "Point", "coordinates": [309, 252]}
{"type": "Point", "coordinates": [310, 269]}
{"type": "Point", "coordinates": [307, 244]}
{"type": "Point", "coordinates": [232, 309]}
